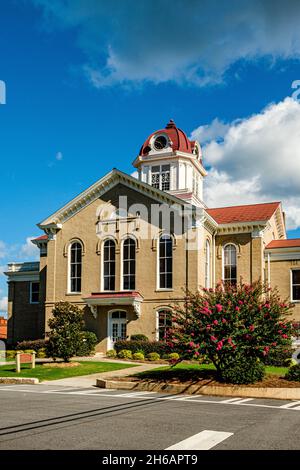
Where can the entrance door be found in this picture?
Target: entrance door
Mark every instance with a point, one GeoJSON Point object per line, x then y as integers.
{"type": "Point", "coordinates": [117, 327]}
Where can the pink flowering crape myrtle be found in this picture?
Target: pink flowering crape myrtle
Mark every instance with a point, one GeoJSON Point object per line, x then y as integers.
{"type": "Point", "coordinates": [230, 322]}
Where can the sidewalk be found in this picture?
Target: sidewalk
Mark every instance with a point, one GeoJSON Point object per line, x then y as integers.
{"type": "Point", "coordinates": [90, 380]}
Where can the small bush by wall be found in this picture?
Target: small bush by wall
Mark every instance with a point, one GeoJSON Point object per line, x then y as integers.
{"type": "Point", "coordinates": [146, 347]}
{"type": "Point", "coordinates": [34, 344]}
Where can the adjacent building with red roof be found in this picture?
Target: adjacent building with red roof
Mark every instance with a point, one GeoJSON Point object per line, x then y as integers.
{"type": "Point", "coordinates": [124, 248]}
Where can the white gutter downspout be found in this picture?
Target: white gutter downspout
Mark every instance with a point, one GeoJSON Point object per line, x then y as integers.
{"type": "Point", "coordinates": [269, 270]}
{"type": "Point", "coordinates": [214, 259]}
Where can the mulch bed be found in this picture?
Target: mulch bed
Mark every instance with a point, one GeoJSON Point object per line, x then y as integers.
{"type": "Point", "coordinates": [61, 365]}
{"type": "Point", "coordinates": [205, 377]}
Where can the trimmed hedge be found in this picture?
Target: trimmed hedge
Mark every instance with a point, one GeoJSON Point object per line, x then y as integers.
{"type": "Point", "coordinates": [139, 337]}
{"type": "Point", "coordinates": [138, 356]}
{"type": "Point", "coordinates": [246, 370]}
{"type": "Point", "coordinates": [125, 354]}
{"type": "Point", "coordinates": [146, 347]}
{"type": "Point", "coordinates": [293, 373]}
{"type": "Point", "coordinates": [111, 353]}
{"type": "Point", "coordinates": [153, 356]}
{"type": "Point", "coordinates": [280, 357]}
{"type": "Point", "coordinates": [35, 344]}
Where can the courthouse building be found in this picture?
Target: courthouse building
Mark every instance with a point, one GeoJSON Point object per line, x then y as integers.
{"type": "Point", "coordinates": [125, 248]}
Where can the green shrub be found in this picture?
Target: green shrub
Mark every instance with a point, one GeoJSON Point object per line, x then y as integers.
{"type": "Point", "coordinates": [146, 347]}
{"type": "Point", "coordinates": [139, 337]}
{"type": "Point", "coordinates": [111, 353]}
{"type": "Point", "coordinates": [173, 357]}
{"type": "Point", "coordinates": [10, 354]}
{"type": "Point", "coordinates": [153, 356]}
{"type": "Point", "coordinates": [29, 351]}
{"type": "Point", "coordinates": [87, 344]}
{"type": "Point", "coordinates": [138, 356]}
{"type": "Point", "coordinates": [293, 373]}
{"type": "Point", "coordinates": [66, 331]}
{"type": "Point", "coordinates": [280, 357]}
{"type": "Point", "coordinates": [125, 354]}
{"type": "Point", "coordinates": [41, 354]}
{"type": "Point", "coordinates": [245, 370]}
{"type": "Point", "coordinates": [34, 344]}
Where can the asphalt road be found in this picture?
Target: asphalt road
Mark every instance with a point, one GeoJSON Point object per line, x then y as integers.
{"type": "Point", "coordinates": [48, 417]}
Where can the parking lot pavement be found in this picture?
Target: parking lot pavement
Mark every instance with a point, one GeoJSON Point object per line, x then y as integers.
{"type": "Point", "coordinates": [50, 417]}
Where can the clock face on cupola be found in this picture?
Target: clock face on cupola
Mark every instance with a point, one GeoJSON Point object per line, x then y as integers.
{"type": "Point", "coordinates": [170, 162]}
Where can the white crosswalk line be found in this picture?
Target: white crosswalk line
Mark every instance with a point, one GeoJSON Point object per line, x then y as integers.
{"type": "Point", "coordinates": [240, 402]}
{"type": "Point", "coordinates": [231, 400]}
{"type": "Point", "coordinates": [290, 405]}
{"type": "Point", "coordinates": [204, 440]}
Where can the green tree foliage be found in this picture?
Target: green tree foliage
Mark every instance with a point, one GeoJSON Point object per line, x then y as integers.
{"type": "Point", "coordinates": [229, 323]}
{"type": "Point", "coordinates": [65, 337]}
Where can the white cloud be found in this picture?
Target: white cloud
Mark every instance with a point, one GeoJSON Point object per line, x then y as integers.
{"type": "Point", "coordinates": [59, 156]}
{"type": "Point", "coordinates": [29, 250]}
{"type": "Point", "coordinates": [186, 42]}
{"type": "Point", "coordinates": [257, 160]}
{"type": "Point", "coordinates": [135, 174]}
{"type": "Point", "coordinates": [3, 304]}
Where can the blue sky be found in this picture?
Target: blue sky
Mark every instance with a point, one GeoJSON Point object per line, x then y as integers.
{"type": "Point", "coordinates": [84, 89]}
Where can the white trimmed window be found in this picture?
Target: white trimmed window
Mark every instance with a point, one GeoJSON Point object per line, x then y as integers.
{"type": "Point", "coordinates": [296, 285]}
{"type": "Point", "coordinates": [34, 292]}
{"type": "Point", "coordinates": [165, 262]}
{"type": "Point", "coordinates": [109, 265]}
{"type": "Point", "coordinates": [75, 267]}
{"type": "Point", "coordinates": [129, 264]}
{"type": "Point", "coordinates": [230, 264]}
{"type": "Point", "coordinates": [160, 177]}
{"type": "Point", "coordinates": [207, 264]}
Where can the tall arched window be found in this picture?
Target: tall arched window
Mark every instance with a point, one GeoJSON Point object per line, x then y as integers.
{"type": "Point", "coordinates": [129, 264]}
{"type": "Point", "coordinates": [207, 264]}
{"type": "Point", "coordinates": [164, 323]}
{"type": "Point", "coordinates": [165, 262]}
{"type": "Point", "coordinates": [230, 264]}
{"type": "Point", "coordinates": [109, 265]}
{"type": "Point", "coordinates": [75, 267]}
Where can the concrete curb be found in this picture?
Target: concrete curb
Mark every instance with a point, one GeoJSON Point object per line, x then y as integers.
{"type": "Point", "coordinates": [233, 391]}
{"type": "Point", "coordinates": [19, 380]}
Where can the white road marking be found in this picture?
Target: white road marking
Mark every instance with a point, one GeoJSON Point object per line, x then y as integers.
{"type": "Point", "coordinates": [149, 396]}
{"type": "Point", "coordinates": [204, 440]}
{"type": "Point", "coordinates": [289, 405]}
{"type": "Point", "coordinates": [244, 400]}
{"type": "Point", "coordinates": [231, 400]}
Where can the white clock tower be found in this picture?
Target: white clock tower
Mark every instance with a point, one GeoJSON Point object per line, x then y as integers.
{"type": "Point", "coordinates": [169, 161]}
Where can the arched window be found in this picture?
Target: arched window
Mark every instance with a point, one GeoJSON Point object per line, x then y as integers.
{"type": "Point", "coordinates": [129, 264]}
{"type": "Point", "coordinates": [109, 265]}
{"type": "Point", "coordinates": [165, 262]}
{"type": "Point", "coordinates": [230, 264]}
{"type": "Point", "coordinates": [164, 323]}
{"type": "Point", "coordinates": [207, 264]}
{"type": "Point", "coordinates": [75, 267]}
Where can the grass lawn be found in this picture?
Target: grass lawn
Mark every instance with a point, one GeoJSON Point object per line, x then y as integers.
{"type": "Point", "coordinates": [52, 373]}
{"type": "Point", "coordinates": [186, 372]}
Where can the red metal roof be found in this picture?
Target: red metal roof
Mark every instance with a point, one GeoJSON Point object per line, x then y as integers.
{"type": "Point", "coordinates": [104, 295]}
{"type": "Point", "coordinates": [42, 237]}
{"type": "Point", "coordinates": [177, 136]}
{"type": "Point", "coordinates": [246, 213]}
{"type": "Point", "coordinates": [291, 243]}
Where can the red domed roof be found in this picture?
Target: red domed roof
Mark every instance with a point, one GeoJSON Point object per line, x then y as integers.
{"type": "Point", "coordinates": [178, 139]}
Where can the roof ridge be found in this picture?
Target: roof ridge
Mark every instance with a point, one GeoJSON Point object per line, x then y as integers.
{"type": "Point", "coordinates": [244, 205]}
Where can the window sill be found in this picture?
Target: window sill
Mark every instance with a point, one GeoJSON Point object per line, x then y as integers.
{"type": "Point", "coordinates": [164, 290]}
{"type": "Point", "coordinates": [73, 293]}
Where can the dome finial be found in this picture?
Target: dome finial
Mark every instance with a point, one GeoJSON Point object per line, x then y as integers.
{"type": "Point", "coordinates": [171, 124]}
